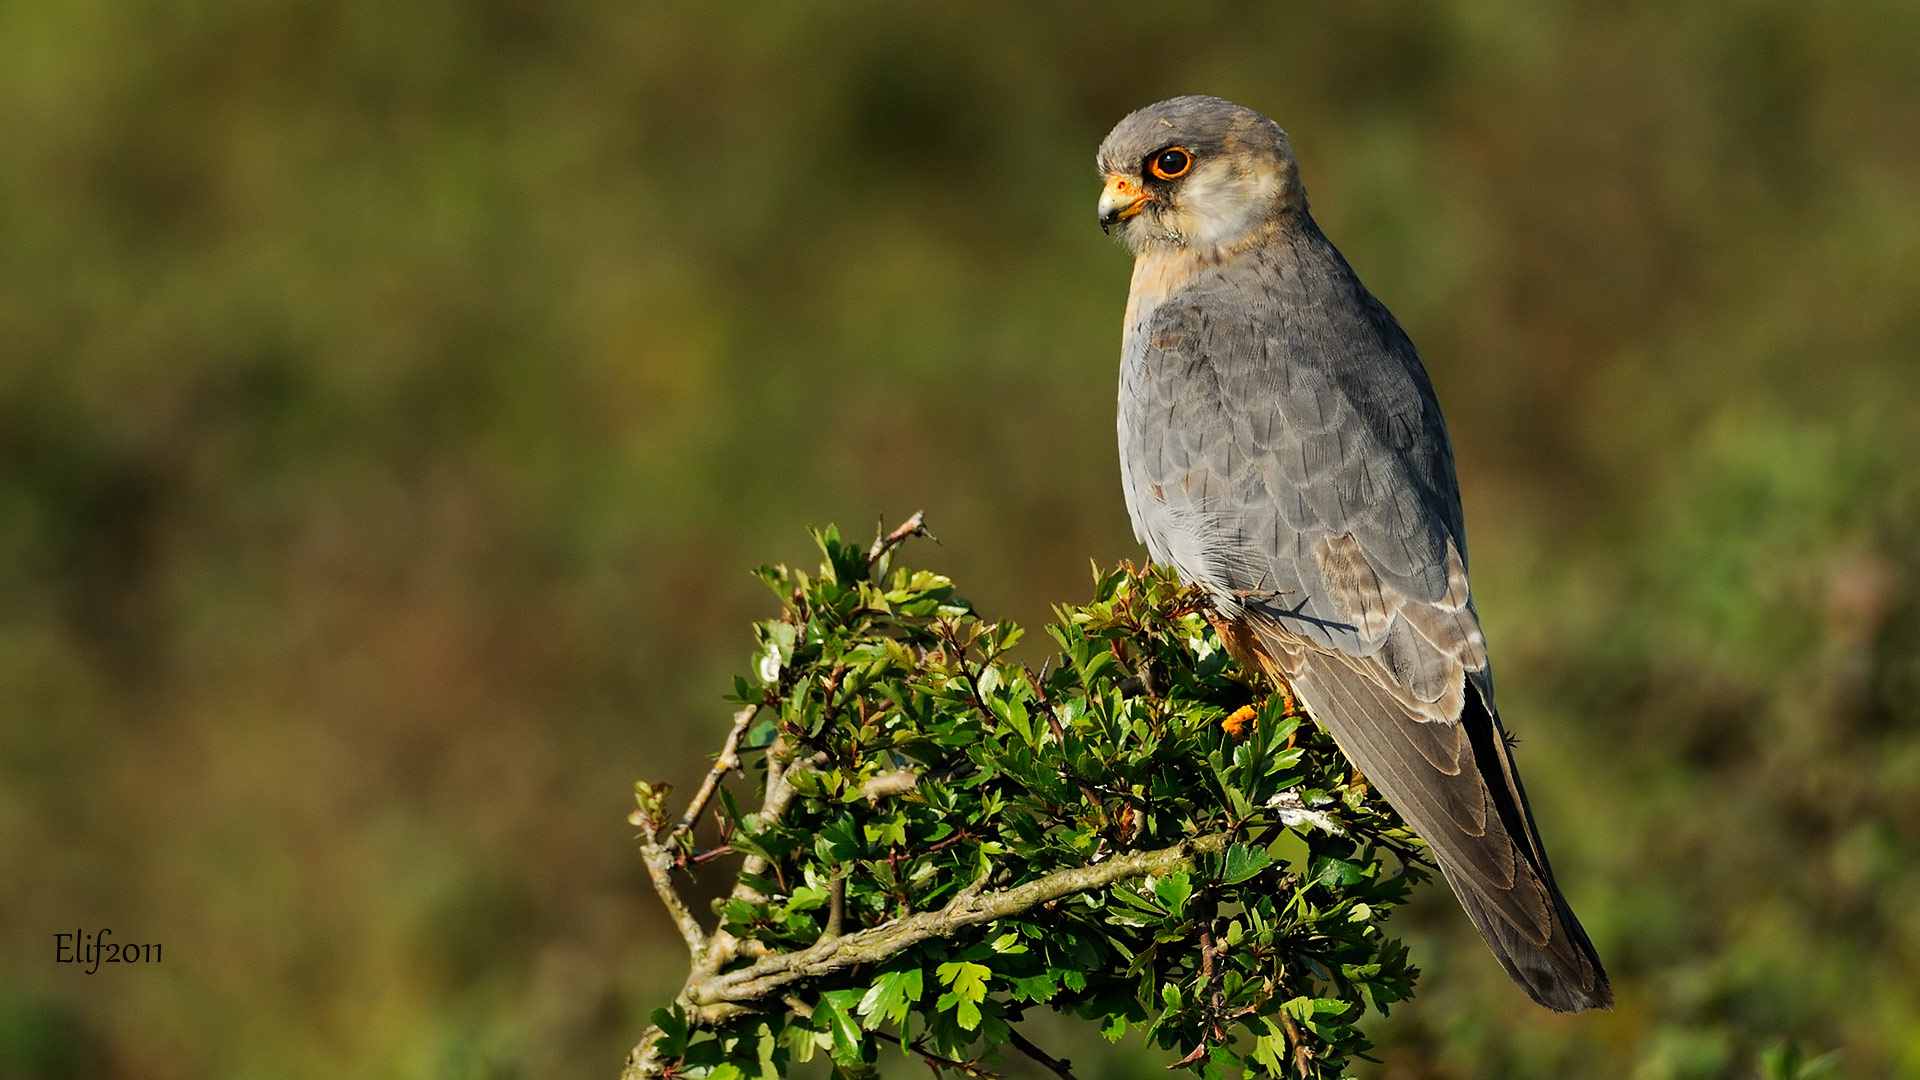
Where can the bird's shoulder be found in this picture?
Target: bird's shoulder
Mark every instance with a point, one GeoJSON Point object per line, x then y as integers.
{"type": "Point", "coordinates": [1284, 333]}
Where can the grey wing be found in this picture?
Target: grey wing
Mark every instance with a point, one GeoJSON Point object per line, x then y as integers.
{"type": "Point", "coordinates": [1284, 450]}
{"type": "Point", "coordinates": [1281, 451]}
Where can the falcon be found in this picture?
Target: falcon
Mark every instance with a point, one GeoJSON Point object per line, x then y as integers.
{"type": "Point", "coordinates": [1281, 448]}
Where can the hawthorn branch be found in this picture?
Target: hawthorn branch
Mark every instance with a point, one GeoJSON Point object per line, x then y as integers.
{"type": "Point", "coordinates": [657, 851]}
{"type": "Point", "coordinates": [710, 954]}
{"type": "Point", "coordinates": [659, 861]}
{"type": "Point", "coordinates": [769, 976]}
{"type": "Point", "coordinates": [780, 772]}
{"type": "Point", "coordinates": [711, 998]}
{"type": "Point", "coordinates": [728, 761]}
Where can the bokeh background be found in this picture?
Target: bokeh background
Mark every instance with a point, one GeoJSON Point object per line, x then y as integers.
{"type": "Point", "coordinates": [394, 399]}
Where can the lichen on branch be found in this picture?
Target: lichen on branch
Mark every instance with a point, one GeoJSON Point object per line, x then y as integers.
{"type": "Point", "coordinates": [946, 839]}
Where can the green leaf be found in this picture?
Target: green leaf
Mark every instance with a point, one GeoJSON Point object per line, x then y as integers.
{"type": "Point", "coordinates": [1242, 863]}
{"type": "Point", "coordinates": [803, 1041]}
{"type": "Point", "coordinates": [891, 995]}
{"type": "Point", "coordinates": [835, 1011]}
{"type": "Point", "coordinates": [1322, 1016]}
{"type": "Point", "coordinates": [672, 1021]}
{"type": "Point", "coordinates": [889, 833]}
{"type": "Point", "coordinates": [1327, 870]}
{"type": "Point", "coordinates": [1009, 944]}
{"type": "Point", "coordinates": [1014, 714]}
{"type": "Point", "coordinates": [1174, 890]}
{"type": "Point", "coordinates": [968, 981]}
{"type": "Point", "coordinates": [1270, 1050]}
{"type": "Point", "coordinates": [1038, 988]}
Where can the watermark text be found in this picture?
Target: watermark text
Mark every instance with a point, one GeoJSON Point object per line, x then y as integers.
{"type": "Point", "coordinates": [95, 948]}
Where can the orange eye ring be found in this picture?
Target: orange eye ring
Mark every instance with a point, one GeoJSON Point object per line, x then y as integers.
{"type": "Point", "coordinates": [1171, 163]}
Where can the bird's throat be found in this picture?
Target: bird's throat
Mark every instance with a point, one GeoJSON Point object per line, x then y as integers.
{"type": "Point", "coordinates": [1158, 272]}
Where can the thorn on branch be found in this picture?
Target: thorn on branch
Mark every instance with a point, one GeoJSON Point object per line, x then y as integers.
{"type": "Point", "coordinates": [702, 858]}
{"type": "Point", "coordinates": [913, 526]}
{"type": "Point", "coordinates": [1059, 1067]}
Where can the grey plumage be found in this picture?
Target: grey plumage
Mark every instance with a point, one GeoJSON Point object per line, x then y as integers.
{"type": "Point", "coordinates": [1282, 447]}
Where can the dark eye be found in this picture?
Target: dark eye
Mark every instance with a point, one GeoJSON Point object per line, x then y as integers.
{"type": "Point", "coordinates": [1171, 163]}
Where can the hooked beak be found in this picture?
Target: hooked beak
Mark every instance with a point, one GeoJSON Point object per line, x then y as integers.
{"type": "Point", "coordinates": [1120, 200]}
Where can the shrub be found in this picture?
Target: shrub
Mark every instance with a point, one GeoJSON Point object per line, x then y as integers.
{"type": "Point", "coordinates": [1140, 833]}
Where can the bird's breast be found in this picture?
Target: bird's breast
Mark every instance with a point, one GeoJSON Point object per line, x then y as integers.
{"type": "Point", "coordinates": [1157, 274]}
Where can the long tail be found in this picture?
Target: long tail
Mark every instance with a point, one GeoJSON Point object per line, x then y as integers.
{"type": "Point", "coordinates": [1456, 785]}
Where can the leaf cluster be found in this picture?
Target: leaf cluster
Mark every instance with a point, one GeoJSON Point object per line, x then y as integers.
{"type": "Point", "coordinates": [925, 761]}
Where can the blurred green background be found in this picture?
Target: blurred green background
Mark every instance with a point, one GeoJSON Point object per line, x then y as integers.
{"type": "Point", "coordinates": [394, 398]}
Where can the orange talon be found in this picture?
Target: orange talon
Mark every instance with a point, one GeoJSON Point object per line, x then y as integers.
{"type": "Point", "coordinates": [1236, 724]}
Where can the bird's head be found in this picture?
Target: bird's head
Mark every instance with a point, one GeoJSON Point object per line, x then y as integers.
{"type": "Point", "coordinates": [1196, 172]}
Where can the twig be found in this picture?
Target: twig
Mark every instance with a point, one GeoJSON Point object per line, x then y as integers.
{"type": "Point", "coordinates": [937, 1062]}
{"type": "Point", "coordinates": [836, 907]}
{"type": "Point", "coordinates": [1059, 1067]}
{"type": "Point", "coordinates": [659, 862]}
{"type": "Point", "coordinates": [1208, 950]}
{"type": "Point", "coordinates": [1206, 957]}
{"type": "Point", "coordinates": [657, 851]}
{"type": "Point", "coordinates": [1302, 1055]}
{"type": "Point", "coordinates": [951, 638]}
{"type": "Point", "coordinates": [1040, 695]}
{"type": "Point", "coordinates": [913, 526]}
{"type": "Point", "coordinates": [780, 771]}
{"type": "Point", "coordinates": [728, 761]}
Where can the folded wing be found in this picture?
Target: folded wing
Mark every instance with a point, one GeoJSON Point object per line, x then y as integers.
{"type": "Point", "coordinates": [1281, 446]}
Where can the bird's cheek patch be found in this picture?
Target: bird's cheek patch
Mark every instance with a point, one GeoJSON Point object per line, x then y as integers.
{"type": "Point", "coordinates": [1222, 203]}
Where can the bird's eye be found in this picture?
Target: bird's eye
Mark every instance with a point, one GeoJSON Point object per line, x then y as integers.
{"type": "Point", "coordinates": [1171, 163]}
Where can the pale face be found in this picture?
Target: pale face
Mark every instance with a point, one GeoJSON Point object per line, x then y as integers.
{"type": "Point", "coordinates": [1196, 173]}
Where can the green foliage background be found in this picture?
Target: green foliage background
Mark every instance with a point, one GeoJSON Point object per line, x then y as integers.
{"type": "Point", "coordinates": [393, 398]}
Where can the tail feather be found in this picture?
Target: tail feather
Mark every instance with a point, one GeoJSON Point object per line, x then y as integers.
{"type": "Point", "coordinates": [1455, 783]}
